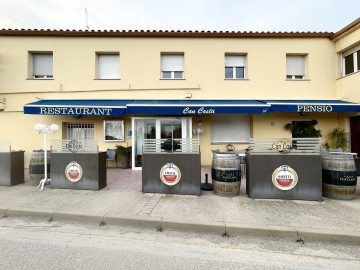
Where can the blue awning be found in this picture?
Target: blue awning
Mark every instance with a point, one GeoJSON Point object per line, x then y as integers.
{"type": "Point", "coordinates": [306, 106]}
{"type": "Point", "coordinates": [197, 107]}
{"type": "Point", "coordinates": [158, 107]}
{"type": "Point", "coordinates": [77, 107]}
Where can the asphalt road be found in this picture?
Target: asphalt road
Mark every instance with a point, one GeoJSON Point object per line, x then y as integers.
{"type": "Point", "coordinates": [29, 244]}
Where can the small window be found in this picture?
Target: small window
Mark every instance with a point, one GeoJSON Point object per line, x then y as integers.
{"type": "Point", "coordinates": [42, 65]}
{"type": "Point", "coordinates": [295, 67]}
{"type": "Point", "coordinates": [172, 66]}
{"type": "Point", "coordinates": [351, 60]}
{"type": "Point", "coordinates": [79, 131]}
{"type": "Point", "coordinates": [114, 130]}
{"type": "Point", "coordinates": [235, 67]}
{"type": "Point", "coordinates": [108, 66]}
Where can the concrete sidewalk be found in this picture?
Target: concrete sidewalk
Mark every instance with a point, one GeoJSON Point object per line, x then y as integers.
{"type": "Point", "coordinates": [329, 220]}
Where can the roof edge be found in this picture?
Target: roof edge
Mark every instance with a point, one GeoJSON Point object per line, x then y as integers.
{"type": "Point", "coordinates": [148, 33]}
{"type": "Point", "coordinates": [347, 28]}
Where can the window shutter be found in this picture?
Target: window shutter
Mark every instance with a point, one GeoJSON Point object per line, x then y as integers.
{"type": "Point", "coordinates": [42, 64]}
{"type": "Point", "coordinates": [295, 65]}
{"type": "Point", "coordinates": [230, 128]}
{"type": "Point", "coordinates": [234, 61]}
{"type": "Point", "coordinates": [108, 66]}
{"type": "Point", "coordinates": [351, 51]}
{"type": "Point", "coordinates": [172, 62]}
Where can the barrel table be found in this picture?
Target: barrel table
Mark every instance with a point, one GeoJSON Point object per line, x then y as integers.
{"type": "Point", "coordinates": [36, 166]}
{"type": "Point", "coordinates": [226, 174]}
{"type": "Point", "coordinates": [339, 176]}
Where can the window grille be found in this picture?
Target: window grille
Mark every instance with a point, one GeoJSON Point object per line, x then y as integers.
{"type": "Point", "coordinates": [79, 131]}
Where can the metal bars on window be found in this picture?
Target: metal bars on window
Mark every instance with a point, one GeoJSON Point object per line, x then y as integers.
{"type": "Point", "coordinates": [79, 131]}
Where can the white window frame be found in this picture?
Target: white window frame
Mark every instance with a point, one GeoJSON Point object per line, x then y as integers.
{"type": "Point", "coordinates": [178, 62]}
{"type": "Point", "coordinates": [89, 129]}
{"type": "Point", "coordinates": [297, 77]}
{"type": "Point", "coordinates": [116, 132]}
{"type": "Point", "coordinates": [47, 66]}
{"type": "Point", "coordinates": [115, 73]}
{"type": "Point", "coordinates": [234, 66]}
{"type": "Point", "coordinates": [186, 131]}
{"type": "Point", "coordinates": [354, 52]}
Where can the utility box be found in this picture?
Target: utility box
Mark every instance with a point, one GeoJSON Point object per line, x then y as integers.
{"type": "Point", "coordinates": [11, 168]}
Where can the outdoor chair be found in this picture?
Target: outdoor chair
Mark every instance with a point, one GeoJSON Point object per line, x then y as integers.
{"type": "Point", "coordinates": [242, 155]}
{"type": "Point", "coordinates": [111, 155]}
{"type": "Point", "coordinates": [336, 150]}
{"type": "Point", "coordinates": [323, 151]}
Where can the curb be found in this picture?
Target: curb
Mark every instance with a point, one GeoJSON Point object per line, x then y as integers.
{"type": "Point", "coordinates": [262, 231]}
{"type": "Point", "coordinates": [194, 226]}
{"type": "Point", "coordinates": [44, 214]}
{"type": "Point", "coordinates": [327, 235]}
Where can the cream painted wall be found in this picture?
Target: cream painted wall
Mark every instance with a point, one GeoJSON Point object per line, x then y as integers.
{"type": "Point", "coordinates": [75, 73]}
{"type": "Point", "coordinates": [347, 87]}
{"type": "Point", "coordinates": [74, 68]}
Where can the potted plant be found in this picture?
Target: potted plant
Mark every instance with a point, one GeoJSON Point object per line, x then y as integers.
{"type": "Point", "coordinates": [304, 130]}
{"type": "Point", "coordinates": [125, 155]}
{"type": "Point", "coordinates": [337, 138]}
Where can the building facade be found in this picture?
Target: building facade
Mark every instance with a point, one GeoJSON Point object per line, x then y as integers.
{"type": "Point", "coordinates": [120, 87]}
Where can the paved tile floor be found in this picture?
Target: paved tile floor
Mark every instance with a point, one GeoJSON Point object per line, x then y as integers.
{"type": "Point", "coordinates": [128, 179]}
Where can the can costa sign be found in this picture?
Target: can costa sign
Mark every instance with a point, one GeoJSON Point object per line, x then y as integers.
{"type": "Point", "coordinates": [73, 171]}
{"type": "Point", "coordinates": [170, 174]}
{"type": "Point", "coordinates": [284, 178]}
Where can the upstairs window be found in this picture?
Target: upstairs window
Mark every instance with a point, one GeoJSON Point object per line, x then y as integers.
{"type": "Point", "coordinates": [108, 66]}
{"type": "Point", "coordinates": [172, 66]}
{"type": "Point", "coordinates": [351, 60]}
{"type": "Point", "coordinates": [295, 67]}
{"type": "Point", "coordinates": [234, 67]}
{"type": "Point", "coordinates": [42, 65]}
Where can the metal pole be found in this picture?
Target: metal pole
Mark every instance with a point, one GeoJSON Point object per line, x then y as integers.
{"type": "Point", "coordinates": [45, 155]}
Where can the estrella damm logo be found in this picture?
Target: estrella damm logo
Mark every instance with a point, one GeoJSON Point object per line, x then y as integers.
{"type": "Point", "coordinates": [170, 174]}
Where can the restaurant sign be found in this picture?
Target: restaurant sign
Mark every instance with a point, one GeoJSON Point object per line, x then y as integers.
{"type": "Point", "coordinates": [170, 174]}
{"type": "Point", "coordinates": [74, 146]}
{"type": "Point", "coordinates": [314, 108]}
{"type": "Point", "coordinates": [75, 111]}
{"type": "Point", "coordinates": [284, 178]}
{"type": "Point", "coordinates": [283, 145]}
{"type": "Point", "coordinates": [199, 111]}
{"type": "Point", "coordinates": [73, 172]}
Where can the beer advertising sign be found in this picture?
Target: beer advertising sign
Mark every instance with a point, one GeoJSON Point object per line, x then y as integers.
{"type": "Point", "coordinates": [284, 178]}
{"type": "Point", "coordinates": [73, 172]}
{"type": "Point", "coordinates": [170, 174]}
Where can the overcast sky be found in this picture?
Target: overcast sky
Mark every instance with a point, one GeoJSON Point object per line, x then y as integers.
{"type": "Point", "coordinates": [214, 15]}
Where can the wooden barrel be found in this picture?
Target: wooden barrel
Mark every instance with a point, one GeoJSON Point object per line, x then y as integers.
{"type": "Point", "coordinates": [36, 166]}
{"type": "Point", "coordinates": [339, 176]}
{"type": "Point", "coordinates": [226, 174]}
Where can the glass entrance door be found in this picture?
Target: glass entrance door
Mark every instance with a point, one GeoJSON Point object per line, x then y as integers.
{"type": "Point", "coordinates": [143, 129]}
{"type": "Point", "coordinates": [170, 129]}
{"type": "Point", "coordinates": [156, 128]}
